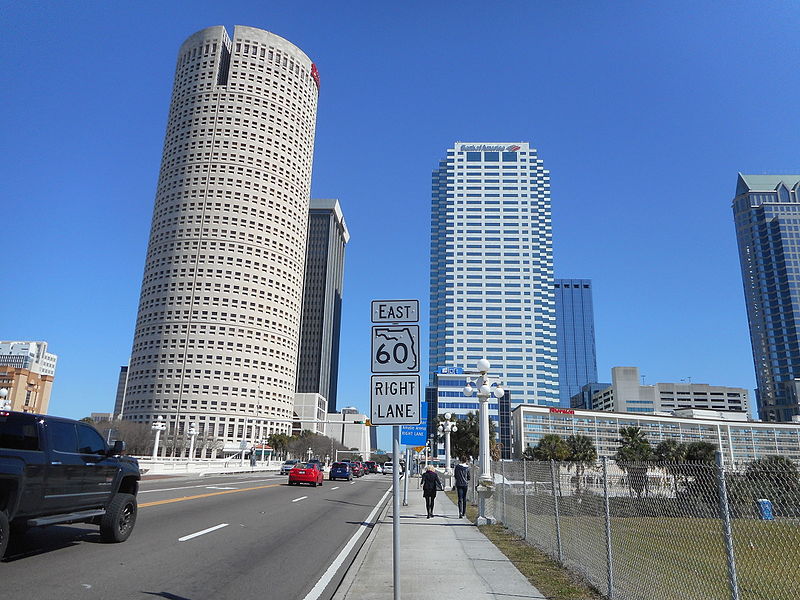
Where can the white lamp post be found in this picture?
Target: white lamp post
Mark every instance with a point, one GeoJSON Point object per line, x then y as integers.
{"type": "Point", "coordinates": [310, 452]}
{"type": "Point", "coordinates": [5, 403]}
{"type": "Point", "coordinates": [192, 435]}
{"type": "Point", "coordinates": [447, 427]}
{"type": "Point", "coordinates": [483, 385]}
{"type": "Point", "coordinates": [158, 426]}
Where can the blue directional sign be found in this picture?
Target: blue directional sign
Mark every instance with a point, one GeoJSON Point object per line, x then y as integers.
{"type": "Point", "coordinates": [416, 435]}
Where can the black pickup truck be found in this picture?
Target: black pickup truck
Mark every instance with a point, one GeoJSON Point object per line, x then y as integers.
{"type": "Point", "coordinates": [55, 470]}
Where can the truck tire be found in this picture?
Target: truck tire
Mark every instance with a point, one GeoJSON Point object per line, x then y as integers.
{"type": "Point", "coordinates": [116, 525]}
{"type": "Point", "coordinates": [5, 531]}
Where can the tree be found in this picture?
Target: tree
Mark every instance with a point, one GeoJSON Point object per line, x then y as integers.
{"type": "Point", "coordinates": [701, 452]}
{"type": "Point", "coordinates": [279, 442]}
{"type": "Point", "coordinates": [582, 454]}
{"type": "Point", "coordinates": [88, 420]}
{"type": "Point", "coordinates": [551, 447]}
{"type": "Point", "coordinates": [466, 441]}
{"type": "Point", "coordinates": [632, 455]}
{"type": "Point", "coordinates": [671, 454]}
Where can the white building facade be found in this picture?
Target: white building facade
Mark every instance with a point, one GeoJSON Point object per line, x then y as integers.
{"type": "Point", "coordinates": [491, 274]}
{"type": "Point", "coordinates": [32, 356]}
{"type": "Point", "coordinates": [739, 439]}
{"type": "Point", "coordinates": [216, 339]}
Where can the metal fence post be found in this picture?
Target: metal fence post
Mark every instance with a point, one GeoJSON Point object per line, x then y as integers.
{"type": "Point", "coordinates": [555, 506]}
{"type": "Point", "coordinates": [609, 555]}
{"type": "Point", "coordinates": [503, 473]}
{"type": "Point", "coordinates": [725, 516]}
{"type": "Point", "coordinates": [525, 496]}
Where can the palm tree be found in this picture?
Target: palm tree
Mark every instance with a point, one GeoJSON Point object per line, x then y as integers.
{"type": "Point", "coordinates": [582, 454]}
{"type": "Point", "coordinates": [279, 443]}
{"type": "Point", "coordinates": [466, 441]}
{"type": "Point", "coordinates": [671, 454]}
{"type": "Point", "coordinates": [634, 450]}
{"type": "Point", "coordinates": [551, 447]}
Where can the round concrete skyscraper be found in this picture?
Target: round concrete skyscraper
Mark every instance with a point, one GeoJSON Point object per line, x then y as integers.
{"type": "Point", "coordinates": [219, 314]}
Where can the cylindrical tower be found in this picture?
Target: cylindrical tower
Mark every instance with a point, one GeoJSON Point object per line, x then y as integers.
{"type": "Point", "coordinates": [219, 313]}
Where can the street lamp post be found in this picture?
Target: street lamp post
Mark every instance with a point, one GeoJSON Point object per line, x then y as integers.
{"type": "Point", "coordinates": [192, 436]}
{"type": "Point", "coordinates": [482, 384]}
{"type": "Point", "coordinates": [447, 427]}
{"type": "Point", "coordinates": [158, 426]}
{"type": "Point", "coordinates": [5, 403]}
{"type": "Point", "coordinates": [310, 452]}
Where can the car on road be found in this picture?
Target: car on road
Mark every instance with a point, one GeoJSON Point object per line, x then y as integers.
{"type": "Point", "coordinates": [55, 470]}
{"type": "Point", "coordinates": [388, 468]}
{"type": "Point", "coordinates": [356, 466]}
{"type": "Point", "coordinates": [372, 466]}
{"type": "Point", "coordinates": [306, 473]}
{"type": "Point", "coordinates": [341, 470]}
{"type": "Point", "coordinates": [289, 465]}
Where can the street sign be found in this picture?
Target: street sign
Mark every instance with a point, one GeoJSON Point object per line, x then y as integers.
{"type": "Point", "coordinates": [395, 349]}
{"type": "Point", "coordinates": [394, 400]}
{"type": "Point", "coordinates": [415, 435]}
{"type": "Point", "coordinates": [395, 311]}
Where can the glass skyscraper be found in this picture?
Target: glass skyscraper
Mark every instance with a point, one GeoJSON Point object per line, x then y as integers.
{"type": "Point", "coordinates": [491, 286]}
{"type": "Point", "coordinates": [766, 210]}
{"type": "Point", "coordinates": [577, 361]}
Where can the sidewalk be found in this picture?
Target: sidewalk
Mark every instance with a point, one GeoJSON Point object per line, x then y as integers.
{"type": "Point", "coordinates": [443, 557]}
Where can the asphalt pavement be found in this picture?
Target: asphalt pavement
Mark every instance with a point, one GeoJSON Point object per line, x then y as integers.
{"type": "Point", "coordinates": [234, 537]}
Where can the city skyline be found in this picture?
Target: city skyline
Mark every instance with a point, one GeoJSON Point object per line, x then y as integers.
{"type": "Point", "coordinates": [641, 171]}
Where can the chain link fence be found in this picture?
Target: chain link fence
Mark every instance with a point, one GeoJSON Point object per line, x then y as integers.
{"type": "Point", "coordinates": [672, 531]}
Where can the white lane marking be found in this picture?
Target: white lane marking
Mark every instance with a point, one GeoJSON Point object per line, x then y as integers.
{"type": "Point", "coordinates": [327, 576]}
{"type": "Point", "coordinates": [335, 488]}
{"type": "Point", "coordinates": [216, 487]}
{"type": "Point", "coordinates": [202, 485]}
{"type": "Point", "coordinates": [209, 530]}
{"type": "Point", "coordinates": [300, 498]}
{"type": "Point", "coordinates": [352, 482]}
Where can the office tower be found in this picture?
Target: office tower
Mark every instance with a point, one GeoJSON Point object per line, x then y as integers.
{"type": "Point", "coordinates": [766, 211]}
{"type": "Point", "coordinates": [27, 372]}
{"type": "Point", "coordinates": [491, 280]}
{"type": "Point", "coordinates": [577, 362]}
{"type": "Point", "coordinates": [119, 397]}
{"type": "Point", "coordinates": [318, 363]}
{"type": "Point", "coordinates": [217, 332]}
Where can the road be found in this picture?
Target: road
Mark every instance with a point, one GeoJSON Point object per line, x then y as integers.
{"type": "Point", "coordinates": [235, 536]}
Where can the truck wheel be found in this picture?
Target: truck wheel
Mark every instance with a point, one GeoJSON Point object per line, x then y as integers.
{"type": "Point", "coordinates": [116, 525]}
{"type": "Point", "coordinates": [4, 532]}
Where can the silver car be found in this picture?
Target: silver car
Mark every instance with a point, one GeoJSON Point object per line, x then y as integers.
{"type": "Point", "coordinates": [288, 466]}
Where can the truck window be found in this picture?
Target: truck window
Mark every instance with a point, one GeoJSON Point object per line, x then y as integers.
{"type": "Point", "coordinates": [63, 436]}
{"type": "Point", "coordinates": [89, 441]}
{"type": "Point", "coordinates": [18, 433]}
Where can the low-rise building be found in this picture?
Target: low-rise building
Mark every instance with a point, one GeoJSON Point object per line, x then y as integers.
{"type": "Point", "coordinates": [27, 371]}
{"type": "Point", "coordinates": [625, 393]}
{"type": "Point", "coordinates": [350, 429]}
{"type": "Point", "coordinates": [738, 438]}
{"type": "Point", "coordinates": [310, 410]}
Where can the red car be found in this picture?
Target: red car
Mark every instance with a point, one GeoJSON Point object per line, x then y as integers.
{"type": "Point", "coordinates": [358, 469]}
{"type": "Point", "coordinates": [306, 473]}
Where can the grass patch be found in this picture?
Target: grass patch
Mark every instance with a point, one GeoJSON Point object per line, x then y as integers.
{"type": "Point", "coordinates": [545, 574]}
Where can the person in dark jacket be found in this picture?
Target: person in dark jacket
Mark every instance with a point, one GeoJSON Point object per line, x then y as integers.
{"type": "Point", "coordinates": [430, 484]}
{"type": "Point", "coordinates": [461, 477]}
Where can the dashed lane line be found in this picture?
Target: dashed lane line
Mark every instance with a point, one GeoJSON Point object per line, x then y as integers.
{"type": "Point", "coordinates": [300, 498]}
{"type": "Point", "coordinates": [205, 531]}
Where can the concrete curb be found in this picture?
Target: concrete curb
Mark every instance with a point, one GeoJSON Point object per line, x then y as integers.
{"type": "Point", "coordinates": [352, 571]}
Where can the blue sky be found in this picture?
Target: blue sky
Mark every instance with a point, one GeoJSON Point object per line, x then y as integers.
{"type": "Point", "coordinates": [643, 112]}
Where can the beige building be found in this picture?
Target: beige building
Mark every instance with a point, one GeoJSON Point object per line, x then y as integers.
{"type": "Point", "coordinates": [27, 391]}
{"type": "Point", "coordinates": [216, 339]}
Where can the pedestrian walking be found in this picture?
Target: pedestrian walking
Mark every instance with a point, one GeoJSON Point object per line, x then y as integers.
{"type": "Point", "coordinates": [461, 477]}
{"type": "Point", "coordinates": [430, 485]}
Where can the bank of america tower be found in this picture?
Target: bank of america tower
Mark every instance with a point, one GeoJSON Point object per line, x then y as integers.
{"type": "Point", "coordinates": [491, 286]}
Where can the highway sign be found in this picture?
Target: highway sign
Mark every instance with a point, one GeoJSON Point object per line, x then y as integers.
{"type": "Point", "coordinates": [395, 348]}
{"type": "Point", "coordinates": [394, 400]}
{"type": "Point", "coordinates": [414, 435]}
{"type": "Point", "coordinates": [395, 311]}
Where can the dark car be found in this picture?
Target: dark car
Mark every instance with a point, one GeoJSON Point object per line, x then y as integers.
{"type": "Point", "coordinates": [341, 470]}
{"type": "Point", "coordinates": [371, 465]}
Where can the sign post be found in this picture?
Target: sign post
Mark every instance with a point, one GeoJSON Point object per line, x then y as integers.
{"type": "Point", "coordinates": [395, 391]}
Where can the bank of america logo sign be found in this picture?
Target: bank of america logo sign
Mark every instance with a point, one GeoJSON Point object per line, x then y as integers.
{"type": "Point", "coordinates": [513, 148]}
